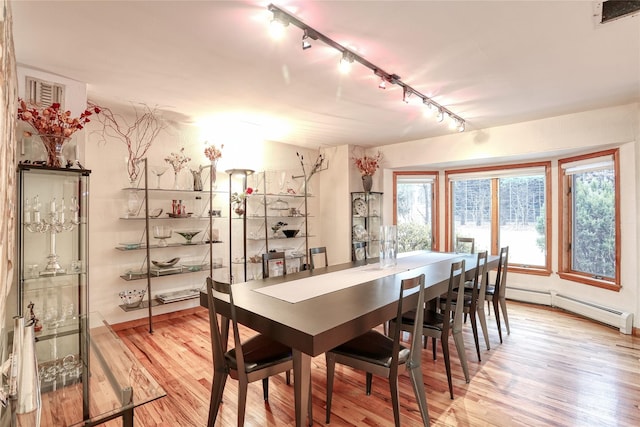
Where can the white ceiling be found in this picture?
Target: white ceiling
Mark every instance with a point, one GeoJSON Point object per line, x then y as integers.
{"type": "Point", "coordinates": [491, 62]}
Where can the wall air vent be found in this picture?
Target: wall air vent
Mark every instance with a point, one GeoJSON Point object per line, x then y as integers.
{"type": "Point", "coordinates": [612, 10]}
{"type": "Point", "coordinates": [43, 93]}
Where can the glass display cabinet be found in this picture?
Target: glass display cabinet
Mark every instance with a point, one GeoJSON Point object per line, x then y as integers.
{"type": "Point", "coordinates": [53, 273]}
{"type": "Point", "coordinates": [366, 218]}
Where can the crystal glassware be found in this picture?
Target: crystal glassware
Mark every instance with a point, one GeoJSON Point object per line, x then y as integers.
{"type": "Point", "coordinates": [161, 233]}
{"type": "Point", "coordinates": [158, 171]}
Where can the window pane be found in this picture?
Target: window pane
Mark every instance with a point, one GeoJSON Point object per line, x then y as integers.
{"type": "Point", "coordinates": [472, 212]}
{"type": "Point", "coordinates": [594, 228]}
{"type": "Point", "coordinates": [414, 216]}
{"type": "Point", "coordinates": [522, 219]}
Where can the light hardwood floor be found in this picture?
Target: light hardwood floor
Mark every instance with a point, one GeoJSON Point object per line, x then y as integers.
{"type": "Point", "coordinates": [555, 369]}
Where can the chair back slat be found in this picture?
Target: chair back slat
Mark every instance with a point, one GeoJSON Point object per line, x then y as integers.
{"type": "Point", "coordinates": [215, 291]}
{"type": "Point", "coordinates": [456, 282]}
{"type": "Point", "coordinates": [416, 335]}
{"type": "Point", "coordinates": [317, 251]}
{"type": "Point", "coordinates": [481, 278]}
{"type": "Point", "coordinates": [217, 346]}
{"type": "Point", "coordinates": [465, 245]}
{"type": "Point", "coordinates": [501, 276]}
{"type": "Point", "coordinates": [270, 256]}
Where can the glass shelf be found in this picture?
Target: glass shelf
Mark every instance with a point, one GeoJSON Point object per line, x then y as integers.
{"type": "Point", "coordinates": [169, 245]}
{"type": "Point", "coordinates": [142, 218]}
{"type": "Point", "coordinates": [171, 190]}
{"type": "Point", "coordinates": [166, 272]}
{"type": "Point", "coordinates": [171, 297]}
{"type": "Point", "coordinates": [278, 237]}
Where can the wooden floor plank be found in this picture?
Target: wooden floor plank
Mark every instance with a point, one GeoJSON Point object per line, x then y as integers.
{"type": "Point", "coordinates": [555, 369]}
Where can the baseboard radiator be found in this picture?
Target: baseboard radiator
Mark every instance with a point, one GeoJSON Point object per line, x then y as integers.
{"type": "Point", "coordinates": [529, 295]}
{"type": "Point", "coordinates": [607, 315]}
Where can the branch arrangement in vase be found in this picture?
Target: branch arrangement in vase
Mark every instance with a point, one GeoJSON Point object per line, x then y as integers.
{"type": "Point", "coordinates": [137, 136]}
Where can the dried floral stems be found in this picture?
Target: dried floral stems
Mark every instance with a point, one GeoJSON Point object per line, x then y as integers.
{"type": "Point", "coordinates": [368, 165]}
{"type": "Point", "coordinates": [317, 166]}
{"type": "Point", "coordinates": [137, 136]}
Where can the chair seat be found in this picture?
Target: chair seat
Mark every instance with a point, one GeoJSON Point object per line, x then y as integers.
{"type": "Point", "coordinates": [467, 298]}
{"type": "Point", "coordinates": [372, 347]}
{"type": "Point", "coordinates": [259, 352]}
{"type": "Point", "coordinates": [432, 319]}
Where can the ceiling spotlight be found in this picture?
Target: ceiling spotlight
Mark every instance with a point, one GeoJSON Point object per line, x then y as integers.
{"type": "Point", "coordinates": [440, 117]}
{"type": "Point", "coordinates": [460, 125]}
{"type": "Point", "coordinates": [429, 109]}
{"type": "Point", "coordinates": [346, 61]}
{"type": "Point", "coordinates": [453, 121]}
{"type": "Point", "coordinates": [383, 83]}
{"type": "Point", "coordinates": [277, 25]}
{"type": "Point", "coordinates": [412, 97]}
{"type": "Point", "coordinates": [306, 43]}
{"type": "Point", "coordinates": [406, 96]}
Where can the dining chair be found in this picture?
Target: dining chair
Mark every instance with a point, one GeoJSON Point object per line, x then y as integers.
{"type": "Point", "coordinates": [438, 324]}
{"type": "Point", "coordinates": [277, 257]}
{"type": "Point", "coordinates": [498, 290]}
{"type": "Point", "coordinates": [317, 251]}
{"type": "Point", "coordinates": [257, 358]}
{"type": "Point", "coordinates": [465, 245]}
{"type": "Point", "coordinates": [359, 251]}
{"type": "Point", "coordinates": [473, 301]}
{"type": "Point", "coordinates": [376, 353]}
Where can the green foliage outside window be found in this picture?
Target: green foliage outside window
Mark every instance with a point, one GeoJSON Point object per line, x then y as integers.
{"type": "Point", "coordinates": [594, 235]}
{"type": "Point", "coordinates": [413, 236]}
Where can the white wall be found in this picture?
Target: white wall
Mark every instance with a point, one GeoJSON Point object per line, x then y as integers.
{"type": "Point", "coordinates": [546, 139]}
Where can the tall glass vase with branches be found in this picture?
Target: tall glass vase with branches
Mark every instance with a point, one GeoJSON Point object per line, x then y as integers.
{"type": "Point", "coordinates": [137, 135]}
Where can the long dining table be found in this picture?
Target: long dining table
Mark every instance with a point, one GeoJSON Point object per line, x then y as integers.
{"type": "Point", "coordinates": [313, 311]}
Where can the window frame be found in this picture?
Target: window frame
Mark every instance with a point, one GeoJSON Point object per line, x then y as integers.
{"type": "Point", "coordinates": [495, 213]}
{"type": "Point", "coordinates": [435, 226]}
{"type": "Point", "coordinates": [565, 226]}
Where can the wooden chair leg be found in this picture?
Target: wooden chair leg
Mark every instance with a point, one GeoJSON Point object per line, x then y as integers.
{"type": "Point", "coordinates": [265, 389]}
{"type": "Point", "coordinates": [462, 355]}
{"type": "Point", "coordinates": [483, 325]}
{"type": "Point", "coordinates": [242, 400]}
{"type": "Point", "coordinates": [368, 382]}
{"type": "Point", "coordinates": [217, 389]}
{"type": "Point", "coordinates": [496, 311]}
{"type": "Point", "coordinates": [447, 363]}
{"type": "Point", "coordinates": [474, 328]}
{"type": "Point", "coordinates": [418, 387]}
{"type": "Point", "coordinates": [433, 341]}
{"type": "Point", "coordinates": [395, 399]}
{"type": "Point", "coordinates": [503, 306]}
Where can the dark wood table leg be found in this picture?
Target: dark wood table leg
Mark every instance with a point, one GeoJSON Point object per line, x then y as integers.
{"type": "Point", "coordinates": [301, 385]}
{"type": "Point", "coordinates": [127, 418]}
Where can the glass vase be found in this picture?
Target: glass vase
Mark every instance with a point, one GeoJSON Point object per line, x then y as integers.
{"type": "Point", "coordinates": [367, 182]}
{"type": "Point", "coordinates": [53, 145]}
{"type": "Point", "coordinates": [388, 246]}
{"type": "Point", "coordinates": [176, 181]}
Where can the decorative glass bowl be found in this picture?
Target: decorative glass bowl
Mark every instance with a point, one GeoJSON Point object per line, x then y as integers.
{"type": "Point", "coordinates": [188, 235]}
{"type": "Point", "coordinates": [291, 233]}
{"type": "Point", "coordinates": [166, 264]}
{"type": "Point", "coordinates": [132, 298]}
